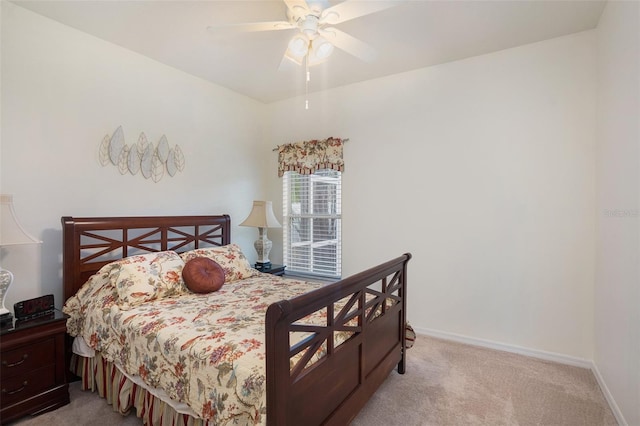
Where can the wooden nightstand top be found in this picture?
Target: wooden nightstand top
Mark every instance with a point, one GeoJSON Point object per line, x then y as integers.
{"type": "Point", "coordinates": [18, 325]}
{"type": "Point", "coordinates": [274, 269]}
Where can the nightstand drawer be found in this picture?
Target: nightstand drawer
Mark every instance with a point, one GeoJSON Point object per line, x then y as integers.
{"type": "Point", "coordinates": [32, 367]}
{"type": "Point", "coordinates": [18, 362]}
{"type": "Point", "coordinates": [22, 387]}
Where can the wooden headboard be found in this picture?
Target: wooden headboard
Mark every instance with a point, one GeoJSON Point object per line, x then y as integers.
{"type": "Point", "coordinates": [89, 243]}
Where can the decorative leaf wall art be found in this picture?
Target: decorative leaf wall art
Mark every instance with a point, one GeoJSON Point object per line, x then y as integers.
{"type": "Point", "coordinates": [172, 167]}
{"type": "Point", "coordinates": [123, 165]}
{"type": "Point", "coordinates": [145, 163]}
{"type": "Point", "coordinates": [157, 168]}
{"type": "Point", "coordinates": [142, 143]}
{"type": "Point", "coordinates": [133, 161]}
{"type": "Point", "coordinates": [178, 158]}
{"type": "Point", "coordinates": [163, 149]}
{"type": "Point", "coordinates": [141, 157]}
{"type": "Point", "coordinates": [103, 153]}
{"type": "Point", "coordinates": [116, 145]}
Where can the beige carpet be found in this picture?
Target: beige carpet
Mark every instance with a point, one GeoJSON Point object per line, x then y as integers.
{"type": "Point", "coordinates": [446, 384]}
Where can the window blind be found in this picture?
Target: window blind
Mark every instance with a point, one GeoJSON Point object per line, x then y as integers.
{"type": "Point", "coordinates": [312, 223]}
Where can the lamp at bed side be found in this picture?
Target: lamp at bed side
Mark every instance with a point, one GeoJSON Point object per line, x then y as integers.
{"type": "Point", "coordinates": [11, 233]}
{"type": "Point", "coordinates": [262, 217]}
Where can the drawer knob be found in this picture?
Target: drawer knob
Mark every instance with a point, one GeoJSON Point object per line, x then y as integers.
{"type": "Point", "coordinates": [24, 385]}
{"type": "Point", "coordinates": [6, 364]}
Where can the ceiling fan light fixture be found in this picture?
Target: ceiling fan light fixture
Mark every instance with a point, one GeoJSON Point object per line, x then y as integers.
{"type": "Point", "coordinates": [294, 59]}
{"type": "Point", "coordinates": [322, 49]}
{"type": "Point", "coordinates": [299, 46]}
{"type": "Point", "coordinates": [310, 25]}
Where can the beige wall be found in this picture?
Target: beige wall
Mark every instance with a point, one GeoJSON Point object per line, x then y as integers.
{"type": "Point", "coordinates": [617, 285]}
{"type": "Point", "coordinates": [484, 170]}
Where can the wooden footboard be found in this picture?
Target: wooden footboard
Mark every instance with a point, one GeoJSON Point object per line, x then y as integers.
{"type": "Point", "coordinates": [368, 308]}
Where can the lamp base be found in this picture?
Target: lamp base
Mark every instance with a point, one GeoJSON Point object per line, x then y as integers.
{"type": "Point", "coordinates": [263, 247]}
{"type": "Point", "coordinates": [6, 278]}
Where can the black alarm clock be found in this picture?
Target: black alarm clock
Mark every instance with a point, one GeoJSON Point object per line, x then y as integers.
{"type": "Point", "coordinates": [34, 308]}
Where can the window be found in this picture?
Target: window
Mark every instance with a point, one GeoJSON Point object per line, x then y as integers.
{"type": "Point", "coordinates": [312, 223]}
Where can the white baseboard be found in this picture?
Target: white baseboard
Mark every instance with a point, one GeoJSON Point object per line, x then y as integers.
{"type": "Point", "coordinates": [534, 353]}
{"type": "Point", "coordinates": [607, 394]}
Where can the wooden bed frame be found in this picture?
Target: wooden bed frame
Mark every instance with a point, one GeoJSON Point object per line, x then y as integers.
{"type": "Point", "coordinates": [330, 391]}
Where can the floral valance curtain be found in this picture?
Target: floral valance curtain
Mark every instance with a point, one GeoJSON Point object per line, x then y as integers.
{"type": "Point", "coordinates": [309, 156]}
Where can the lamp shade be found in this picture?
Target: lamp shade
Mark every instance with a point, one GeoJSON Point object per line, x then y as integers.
{"type": "Point", "coordinates": [261, 216]}
{"type": "Point", "coordinates": [11, 232]}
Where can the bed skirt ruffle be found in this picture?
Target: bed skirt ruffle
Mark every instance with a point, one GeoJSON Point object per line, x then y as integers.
{"type": "Point", "coordinates": [101, 376]}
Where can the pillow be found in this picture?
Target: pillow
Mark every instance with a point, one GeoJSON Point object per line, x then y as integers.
{"type": "Point", "coordinates": [410, 336]}
{"type": "Point", "coordinates": [202, 275]}
{"type": "Point", "coordinates": [229, 257]}
{"type": "Point", "coordinates": [147, 277]}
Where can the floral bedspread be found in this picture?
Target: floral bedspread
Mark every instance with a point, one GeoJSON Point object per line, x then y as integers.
{"type": "Point", "coordinates": [206, 350]}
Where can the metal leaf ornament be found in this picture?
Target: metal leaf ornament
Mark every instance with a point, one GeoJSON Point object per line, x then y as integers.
{"type": "Point", "coordinates": [157, 168]}
{"type": "Point", "coordinates": [146, 161]}
{"type": "Point", "coordinates": [116, 145]}
{"type": "Point", "coordinates": [133, 160]}
{"type": "Point", "coordinates": [123, 165]}
{"type": "Point", "coordinates": [172, 168]}
{"type": "Point", "coordinates": [178, 157]}
{"type": "Point", "coordinates": [103, 152]}
{"type": "Point", "coordinates": [142, 143]}
{"type": "Point", "coordinates": [163, 149]}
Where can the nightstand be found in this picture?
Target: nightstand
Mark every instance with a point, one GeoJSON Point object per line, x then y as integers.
{"type": "Point", "coordinates": [32, 358]}
{"type": "Point", "coordinates": [274, 270]}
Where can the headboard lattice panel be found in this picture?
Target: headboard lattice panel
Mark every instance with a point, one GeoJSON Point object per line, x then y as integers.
{"type": "Point", "coordinates": [91, 243]}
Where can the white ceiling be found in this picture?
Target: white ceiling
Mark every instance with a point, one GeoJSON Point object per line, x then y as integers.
{"type": "Point", "coordinates": [411, 35]}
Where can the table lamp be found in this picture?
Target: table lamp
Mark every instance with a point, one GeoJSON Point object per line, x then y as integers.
{"type": "Point", "coordinates": [262, 217]}
{"type": "Point", "coordinates": [11, 233]}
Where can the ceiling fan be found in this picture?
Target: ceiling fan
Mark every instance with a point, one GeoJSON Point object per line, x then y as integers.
{"type": "Point", "coordinates": [317, 36]}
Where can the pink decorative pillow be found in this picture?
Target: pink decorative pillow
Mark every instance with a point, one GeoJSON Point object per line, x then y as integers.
{"type": "Point", "coordinates": [229, 257]}
{"type": "Point", "coordinates": [203, 275]}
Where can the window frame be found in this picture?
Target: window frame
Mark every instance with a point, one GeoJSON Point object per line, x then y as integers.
{"type": "Point", "coordinates": [315, 266]}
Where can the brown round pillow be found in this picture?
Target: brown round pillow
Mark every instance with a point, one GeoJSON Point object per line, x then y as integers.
{"type": "Point", "coordinates": [203, 275]}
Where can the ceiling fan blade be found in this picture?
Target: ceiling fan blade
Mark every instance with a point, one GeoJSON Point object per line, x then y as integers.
{"type": "Point", "coordinates": [349, 44]}
{"type": "Point", "coordinates": [351, 9]}
{"type": "Point", "coordinates": [250, 27]}
{"type": "Point", "coordinates": [297, 7]}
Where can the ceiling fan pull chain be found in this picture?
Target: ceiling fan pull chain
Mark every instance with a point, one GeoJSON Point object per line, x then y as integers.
{"type": "Point", "coordinates": [306, 84]}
